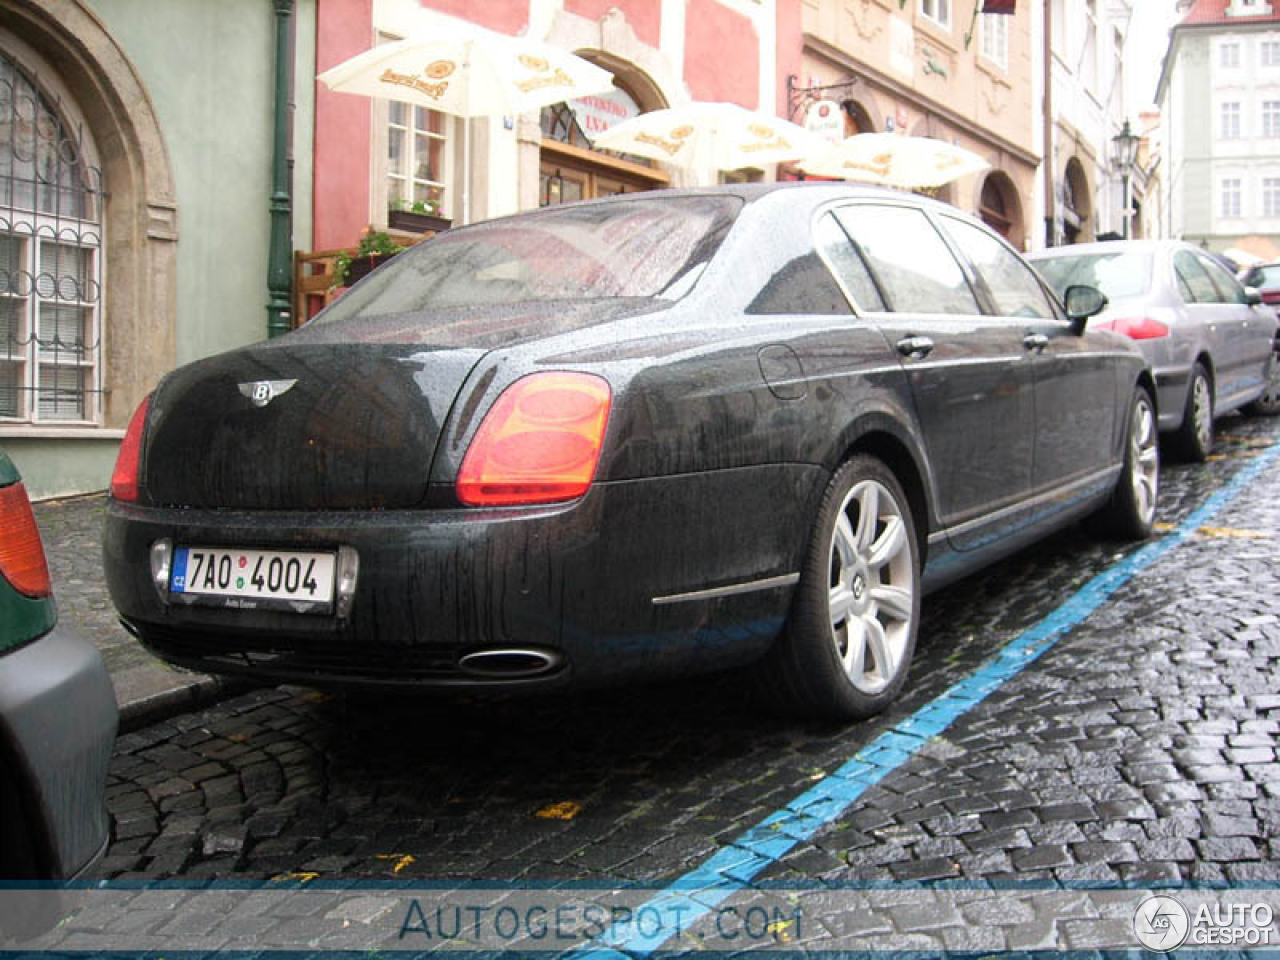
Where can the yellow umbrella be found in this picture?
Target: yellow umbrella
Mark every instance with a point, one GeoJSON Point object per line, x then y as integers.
{"type": "Point", "coordinates": [893, 160]}
{"type": "Point", "coordinates": [468, 71]}
{"type": "Point", "coordinates": [723, 135]}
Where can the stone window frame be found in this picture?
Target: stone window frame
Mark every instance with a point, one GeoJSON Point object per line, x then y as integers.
{"type": "Point", "coordinates": [140, 215]}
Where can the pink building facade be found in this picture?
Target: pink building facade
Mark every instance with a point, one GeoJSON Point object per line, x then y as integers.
{"type": "Point", "coordinates": [391, 167]}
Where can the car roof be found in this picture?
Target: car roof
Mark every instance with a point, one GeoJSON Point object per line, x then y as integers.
{"type": "Point", "coordinates": [813, 193]}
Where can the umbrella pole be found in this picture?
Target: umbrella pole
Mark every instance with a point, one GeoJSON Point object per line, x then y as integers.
{"type": "Point", "coordinates": [466, 170]}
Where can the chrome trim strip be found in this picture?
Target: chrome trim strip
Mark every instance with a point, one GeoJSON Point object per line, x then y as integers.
{"type": "Point", "coordinates": [1028, 504]}
{"type": "Point", "coordinates": [750, 586]}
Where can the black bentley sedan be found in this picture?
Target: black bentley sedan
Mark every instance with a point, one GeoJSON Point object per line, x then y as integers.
{"type": "Point", "coordinates": [626, 438]}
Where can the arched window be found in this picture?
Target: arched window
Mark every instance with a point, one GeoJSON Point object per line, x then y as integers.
{"type": "Point", "coordinates": [51, 198]}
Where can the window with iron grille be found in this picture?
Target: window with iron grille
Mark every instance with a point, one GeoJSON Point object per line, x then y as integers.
{"type": "Point", "coordinates": [50, 258]}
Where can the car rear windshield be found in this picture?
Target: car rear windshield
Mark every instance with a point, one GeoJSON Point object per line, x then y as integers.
{"type": "Point", "coordinates": [1118, 275]}
{"type": "Point", "coordinates": [624, 249]}
{"type": "Point", "coordinates": [1265, 276]}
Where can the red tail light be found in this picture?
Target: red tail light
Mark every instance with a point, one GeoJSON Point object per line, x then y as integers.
{"type": "Point", "coordinates": [1136, 328]}
{"type": "Point", "coordinates": [539, 444]}
{"type": "Point", "coordinates": [124, 480]}
{"type": "Point", "coordinates": [22, 560]}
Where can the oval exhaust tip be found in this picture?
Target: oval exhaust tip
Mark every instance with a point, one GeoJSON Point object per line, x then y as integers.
{"type": "Point", "coordinates": [509, 662]}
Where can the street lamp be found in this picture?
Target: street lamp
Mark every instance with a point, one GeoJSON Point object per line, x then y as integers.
{"type": "Point", "coordinates": [1126, 147]}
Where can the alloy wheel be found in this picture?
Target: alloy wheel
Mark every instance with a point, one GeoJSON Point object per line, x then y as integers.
{"type": "Point", "coordinates": [1202, 411]}
{"type": "Point", "coordinates": [871, 589]}
{"type": "Point", "coordinates": [1145, 455]}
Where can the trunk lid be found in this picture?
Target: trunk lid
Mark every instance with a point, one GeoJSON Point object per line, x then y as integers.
{"type": "Point", "coordinates": [299, 426]}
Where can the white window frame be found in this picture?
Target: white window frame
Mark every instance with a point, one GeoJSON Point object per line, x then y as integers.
{"type": "Point", "coordinates": [379, 166]}
{"type": "Point", "coordinates": [410, 130]}
{"type": "Point", "coordinates": [34, 284]}
{"type": "Point", "coordinates": [1271, 197]}
{"type": "Point", "coordinates": [1229, 55]}
{"type": "Point", "coordinates": [1271, 119]}
{"type": "Point", "coordinates": [937, 11]}
{"type": "Point", "coordinates": [1269, 53]}
{"type": "Point", "coordinates": [1229, 120]}
{"type": "Point", "coordinates": [1229, 198]}
{"type": "Point", "coordinates": [995, 39]}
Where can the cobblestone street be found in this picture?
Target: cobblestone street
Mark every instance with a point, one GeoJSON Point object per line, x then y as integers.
{"type": "Point", "coordinates": [1140, 750]}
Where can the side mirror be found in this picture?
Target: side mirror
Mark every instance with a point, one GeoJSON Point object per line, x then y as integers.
{"type": "Point", "coordinates": [1081, 303]}
{"type": "Point", "coordinates": [1252, 296]}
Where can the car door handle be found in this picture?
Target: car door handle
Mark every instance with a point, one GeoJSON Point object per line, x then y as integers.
{"type": "Point", "coordinates": [1036, 342]}
{"type": "Point", "coordinates": [915, 347]}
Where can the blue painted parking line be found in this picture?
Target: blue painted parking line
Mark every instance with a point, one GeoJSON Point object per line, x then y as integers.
{"type": "Point", "coordinates": [733, 867]}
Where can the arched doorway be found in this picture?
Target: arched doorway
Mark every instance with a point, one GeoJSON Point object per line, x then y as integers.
{"type": "Point", "coordinates": [570, 168]}
{"type": "Point", "coordinates": [858, 118]}
{"type": "Point", "coordinates": [1077, 204]}
{"type": "Point", "coordinates": [1000, 208]}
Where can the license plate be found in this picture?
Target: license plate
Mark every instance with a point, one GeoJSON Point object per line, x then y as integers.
{"type": "Point", "coordinates": [253, 579]}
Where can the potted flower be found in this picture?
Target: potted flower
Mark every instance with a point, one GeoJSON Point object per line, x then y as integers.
{"type": "Point", "coordinates": [417, 216]}
{"type": "Point", "coordinates": [375, 246]}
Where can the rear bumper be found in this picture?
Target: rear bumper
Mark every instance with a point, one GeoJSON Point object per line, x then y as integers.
{"type": "Point", "coordinates": [570, 588]}
{"type": "Point", "coordinates": [57, 732]}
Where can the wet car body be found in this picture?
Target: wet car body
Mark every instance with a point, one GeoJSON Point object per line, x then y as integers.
{"type": "Point", "coordinates": [1204, 325]}
{"type": "Point", "coordinates": [57, 718]}
{"type": "Point", "coordinates": [734, 401]}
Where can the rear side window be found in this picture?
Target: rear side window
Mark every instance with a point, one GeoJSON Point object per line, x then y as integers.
{"type": "Point", "coordinates": [1193, 279]}
{"type": "Point", "coordinates": [913, 265]}
{"type": "Point", "coordinates": [1013, 284]}
{"type": "Point", "coordinates": [834, 244]}
{"type": "Point", "coordinates": [1229, 291]}
{"type": "Point", "coordinates": [804, 285]}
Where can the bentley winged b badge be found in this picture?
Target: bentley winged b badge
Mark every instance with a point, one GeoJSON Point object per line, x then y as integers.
{"type": "Point", "coordinates": [262, 392]}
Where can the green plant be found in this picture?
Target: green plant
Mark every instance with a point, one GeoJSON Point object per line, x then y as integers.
{"type": "Point", "coordinates": [430, 206]}
{"type": "Point", "coordinates": [373, 243]}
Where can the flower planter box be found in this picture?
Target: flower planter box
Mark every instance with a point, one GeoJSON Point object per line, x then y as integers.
{"type": "Point", "coordinates": [416, 222]}
{"type": "Point", "coordinates": [363, 266]}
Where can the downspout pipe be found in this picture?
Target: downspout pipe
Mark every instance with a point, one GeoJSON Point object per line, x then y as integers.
{"type": "Point", "coordinates": [1050, 195]}
{"type": "Point", "coordinates": [279, 263]}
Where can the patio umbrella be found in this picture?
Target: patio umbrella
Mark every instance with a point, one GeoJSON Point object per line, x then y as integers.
{"type": "Point", "coordinates": [723, 134]}
{"type": "Point", "coordinates": [893, 160]}
{"type": "Point", "coordinates": [468, 71]}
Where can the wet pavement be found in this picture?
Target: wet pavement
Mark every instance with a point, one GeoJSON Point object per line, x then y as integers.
{"type": "Point", "coordinates": [1140, 749]}
{"type": "Point", "coordinates": [146, 688]}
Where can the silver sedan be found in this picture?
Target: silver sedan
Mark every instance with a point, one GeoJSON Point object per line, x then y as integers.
{"type": "Point", "coordinates": [1210, 342]}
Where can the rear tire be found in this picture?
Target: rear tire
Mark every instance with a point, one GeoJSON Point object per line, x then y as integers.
{"type": "Point", "coordinates": [1131, 512]}
{"type": "Point", "coordinates": [1194, 439]}
{"type": "Point", "coordinates": [847, 646]}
